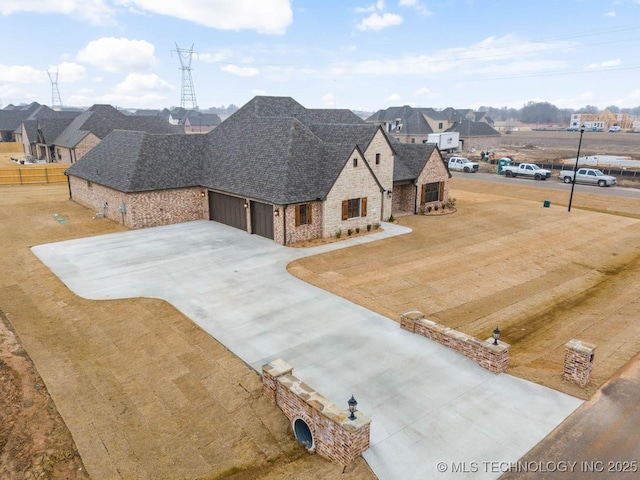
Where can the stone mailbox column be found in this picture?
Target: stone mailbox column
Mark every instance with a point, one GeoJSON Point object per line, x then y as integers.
{"type": "Point", "coordinates": [578, 361]}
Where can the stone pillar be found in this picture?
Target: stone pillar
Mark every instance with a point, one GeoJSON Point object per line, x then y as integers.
{"type": "Point", "coordinates": [408, 320]}
{"type": "Point", "coordinates": [578, 361]}
{"type": "Point", "coordinates": [270, 373]}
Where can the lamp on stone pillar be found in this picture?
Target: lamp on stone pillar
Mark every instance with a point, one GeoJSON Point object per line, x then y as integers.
{"type": "Point", "coordinates": [352, 408]}
{"type": "Point", "coordinates": [496, 336]}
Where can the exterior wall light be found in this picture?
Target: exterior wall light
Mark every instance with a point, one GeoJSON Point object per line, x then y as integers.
{"type": "Point", "coordinates": [352, 408]}
{"type": "Point", "coordinates": [277, 212]}
{"type": "Point", "coordinates": [203, 194]}
{"type": "Point", "coordinates": [496, 336]}
{"type": "Point", "coordinates": [389, 193]}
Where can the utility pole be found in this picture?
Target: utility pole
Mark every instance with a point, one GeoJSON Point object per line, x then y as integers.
{"type": "Point", "coordinates": [187, 90]}
{"type": "Point", "coordinates": [56, 101]}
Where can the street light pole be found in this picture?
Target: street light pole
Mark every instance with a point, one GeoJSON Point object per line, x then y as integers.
{"type": "Point", "coordinates": [575, 169]}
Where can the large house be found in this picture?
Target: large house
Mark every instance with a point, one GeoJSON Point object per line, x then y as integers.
{"type": "Point", "coordinates": [90, 127]}
{"type": "Point", "coordinates": [413, 125]}
{"type": "Point", "coordinates": [273, 168]}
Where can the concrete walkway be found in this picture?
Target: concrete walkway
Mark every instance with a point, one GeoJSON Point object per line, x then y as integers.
{"type": "Point", "coordinates": [435, 413]}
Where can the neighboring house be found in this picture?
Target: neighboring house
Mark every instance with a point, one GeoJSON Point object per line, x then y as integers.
{"type": "Point", "coordinates": [90, 127]}
{"type": "Point", "coordinates": [11, 117]}
{"type": "Point", "coordinates": [38, 133]}
{"type": "Point", "coordinates": [196, 122]}
{"type": "Point", "coordinates": [273, 168]}
{"type": "Point", "coordinates": [477, 135]}
{"type": "Point", "coordinates": [413, 125]}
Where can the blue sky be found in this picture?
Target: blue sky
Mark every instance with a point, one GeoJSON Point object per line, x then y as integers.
{"type": "Point", "coordinates": [362, 55]}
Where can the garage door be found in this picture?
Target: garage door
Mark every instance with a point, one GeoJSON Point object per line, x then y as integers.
{"type": "Point", "coordinates": [228, 210]}
{"type": "Point", "coordinates": [262, 219]}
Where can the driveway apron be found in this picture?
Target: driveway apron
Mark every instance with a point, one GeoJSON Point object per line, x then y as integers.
{"type": "Point", "coordinates": [435, 413]}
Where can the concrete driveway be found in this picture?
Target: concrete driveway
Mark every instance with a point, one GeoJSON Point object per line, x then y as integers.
{"type": "Point", "coordinates": [435, 413]}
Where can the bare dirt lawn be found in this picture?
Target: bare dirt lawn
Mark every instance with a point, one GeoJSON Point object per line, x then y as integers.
{"type": "Point", "coordinates": [145, 393]}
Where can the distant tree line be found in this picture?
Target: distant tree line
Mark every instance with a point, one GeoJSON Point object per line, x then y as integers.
{"type": "Point", "coordinates": [222, 110]}
{"type": "Point", "coordinates": [544, 112]}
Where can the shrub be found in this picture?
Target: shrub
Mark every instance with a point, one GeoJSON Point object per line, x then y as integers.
{"type": "Point", "coordinates": [369, 227]}
{"type": "Point", "coordinates": [338, 233]}
{"type": "Point", "coordinates": [349, 232]}
{"type": "Point", "coordinates": [435, 207]}
{"type": "Point", "coordinates": [391, 219]}
{"type": "Point", "coordinates": [451, 203]}
{"type": "Point", "coordinates": [376, 225]}
{"type": "Point", "coordinates": [429, 209]}
{"type": "Point", "coordinates": [357, 229]}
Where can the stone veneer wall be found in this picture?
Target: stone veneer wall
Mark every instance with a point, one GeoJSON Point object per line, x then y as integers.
{"type": "Point", "coordinates": [578, 361]}
{"type": "Point", "coordinates": [149, 209]}
{"type": "Point", "coordinates": [434, 171]}
{"type": "Point", "coordinates": [404, 199]}
{"type": "Point", "coordinates": [494, 358]}
{"type": "Point", "coordinates": [303, 232]}
{"type": "Point", "coordinates": [335, 437]}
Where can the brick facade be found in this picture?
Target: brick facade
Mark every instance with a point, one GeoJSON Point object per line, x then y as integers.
{"type": "Point", "coordinates": [295, 234]}
{"type": "Point", "coordinates": [406, 197]}
{"type": "Point", "coordinates": [147, 209]}
{"type": "Point", "coordinates": [494, 358]}
{"type": "Point", "coordinates": [334, 435]}
{"type": "Point", "coordinates": [578, 362]}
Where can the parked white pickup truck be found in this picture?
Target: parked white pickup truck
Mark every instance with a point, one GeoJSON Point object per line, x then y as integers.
{"type": "Point", "coordinates": [463, 164]}
{"type": "Point", "coordinates": [588, 175]}
{"type": "Point", "coordinates": [530, 170]}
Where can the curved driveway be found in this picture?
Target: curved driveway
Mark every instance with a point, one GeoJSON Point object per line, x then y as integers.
{"type": "Point", "coordinates": [428, 404]}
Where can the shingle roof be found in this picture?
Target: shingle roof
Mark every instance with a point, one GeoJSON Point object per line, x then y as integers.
{"type": "Point", "coordinates": [259, 152]}
{"type": "Point", "coordinates": [467, 128]}
{"type": "Point", "coordinates": [411, 159]}
{"type": "Point", "coordinates": [131, 161]}
{"type": "Point", "coordinates": [103, 119]}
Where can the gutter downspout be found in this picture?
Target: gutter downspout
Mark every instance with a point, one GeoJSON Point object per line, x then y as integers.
{"type": "Point", "coordinates": [69, 186]}
{"type": "Point", "coordinates": [284, 225]}
{"type": "Point", "coordinates": [415, 203]}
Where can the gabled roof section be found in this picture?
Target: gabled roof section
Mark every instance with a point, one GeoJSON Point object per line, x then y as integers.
{"type": "Point", "coordinates": [411, 159]}
{"type": "Point", "coordinates": [101, 120]}
{"type": "Point", "coordinates": [468, 128]}
{"type": "Point", "coordinates": [352, 135]}
{"type": "Point", "coordinates": [130, 161]}
{"type": "Point", "coordinates": [198, 119]}
{"type": "Point", "coordinates": [50, 128]}
{"type": "Point", "coordinates": [280, 162]}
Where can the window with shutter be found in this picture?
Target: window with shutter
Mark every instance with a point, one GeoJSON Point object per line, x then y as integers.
{"type": "Point", "coordinates": [345, 210]}
{"type": "Point", "coordinates": [303, 214]}
{"type": "Point", "coordinates": [441, 191]}
{"type": "Point", "coordinates": [363, 207]}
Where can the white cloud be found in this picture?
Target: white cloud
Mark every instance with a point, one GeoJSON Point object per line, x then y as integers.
{"type": "Point", "coordinates": [417, 5]}
{"type": "Point", "coordinates": [610, 14]}
{"type": "Point", "coordinates": [329, 100]}
{"type": "Point", "coordinates": [241, 71]}
{"type": "Point", "coordinates": [119, 55]}
{"type": "Point", "coordinates": [605, 64]}
{"type": "Point", "coordinates": [142, 84]}
{"type": "Point", "coordinates": [69, 72]}
{"type": "Point", "coordinates": [96, 12]}
{"type": "Point", "coordinates": [378, 22]}
{"type": "Point", "coordinates": [21, 74]}
{"type": "Point", "coordinates": [263, 16]}
{"type": "Point", "coordinates": [379, 5]}
{"type": "Point", "coordinates": [394, 97]}
{"type": "Point", "coordinates": [135, 89]}
{"type": "Point", "coordinates": [423, 91]}
{"type": "Point", "coordinates": [214, 57]}
{"type": "Point", "coordinates": [632, 99]}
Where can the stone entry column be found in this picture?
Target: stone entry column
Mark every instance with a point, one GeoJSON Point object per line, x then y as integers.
{"type": "Point", "coordinates": [578, 361]}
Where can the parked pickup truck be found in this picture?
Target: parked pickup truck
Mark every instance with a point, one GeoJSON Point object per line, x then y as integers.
{"type": "Point", "coordinates": [526, 170]}
{"type": "Point", "coordinates": [463, 164]}
{"type": "Point", "coordinates": [588, 175]}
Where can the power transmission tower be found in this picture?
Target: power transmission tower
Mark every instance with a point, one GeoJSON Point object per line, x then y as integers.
{"type": "Point", "coordinates": [187, 91]}
{"type": "Point", "coordinates": [56, 101]}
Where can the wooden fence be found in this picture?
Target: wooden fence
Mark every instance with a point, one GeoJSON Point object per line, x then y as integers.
{"type": "Point", "coordinates": [31, 175]}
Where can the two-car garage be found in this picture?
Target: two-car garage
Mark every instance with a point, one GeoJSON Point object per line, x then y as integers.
{"type": "Point", "coordinates": [232, 211]}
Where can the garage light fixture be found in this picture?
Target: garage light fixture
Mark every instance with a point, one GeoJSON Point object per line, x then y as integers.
{"type": "Point", "coordinates": [203, 193]}
{"type": "Point", "coordinates": [496, 336]}
{"type": "Point", "coordinates": [389, 193]}
{"type": "Point", "coordinates": [352, 408]}
{"type": "Point", "coordinates": [246, 205]}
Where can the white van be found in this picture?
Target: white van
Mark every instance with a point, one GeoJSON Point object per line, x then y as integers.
{"type": "Point", "coordinates": [615, 128]}
{"type": "Point", "coordinates": [463, 165]}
